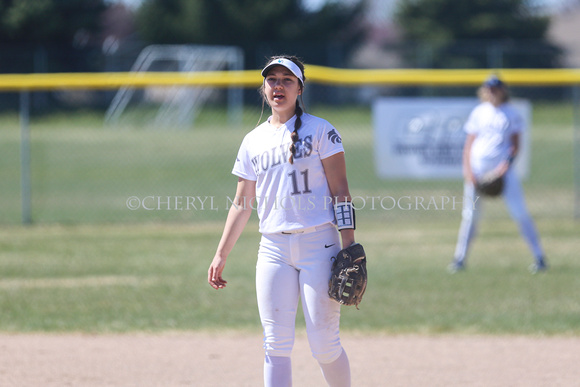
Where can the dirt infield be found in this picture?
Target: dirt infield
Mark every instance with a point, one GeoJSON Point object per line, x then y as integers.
{"type": "Point", "coordinates": [196, 359]}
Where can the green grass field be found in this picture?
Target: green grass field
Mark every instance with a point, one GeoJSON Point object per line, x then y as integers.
{"type": "Point", "coordinates": [123, 278]}
{"type": "Point", "coordinates": [90, 264]}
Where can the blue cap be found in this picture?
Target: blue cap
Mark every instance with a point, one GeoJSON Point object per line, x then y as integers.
{"type": "Point", "coordinates": [493, 81]}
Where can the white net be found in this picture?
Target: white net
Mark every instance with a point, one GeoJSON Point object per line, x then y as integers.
{"type": "Point", "coordinates": [175, 106]}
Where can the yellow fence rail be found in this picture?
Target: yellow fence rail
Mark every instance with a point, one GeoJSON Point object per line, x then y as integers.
{"type": "Point", "coordinates": [316, 74]}
{"type": "Point", "coordinates": [26, 83]}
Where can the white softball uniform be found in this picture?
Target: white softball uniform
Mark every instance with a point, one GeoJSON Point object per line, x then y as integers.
{"type": "Point", "coordinates": [290, 196]}
{"type": "Point", "coordinates": [296, 214]}
{"type": "Point", "coordinates": [292, 267]}
{"type": "Point", "coordinates": [493, 127]}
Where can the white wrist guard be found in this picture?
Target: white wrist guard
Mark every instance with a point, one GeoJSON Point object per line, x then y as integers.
{"type": "Point", "coordinates": [344, 213]}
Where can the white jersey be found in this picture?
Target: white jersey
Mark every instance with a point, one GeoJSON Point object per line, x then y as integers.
{"type": "Point", "coordinates": [493, 127]}
{"type": "Point", "coordinates": [289, 196]}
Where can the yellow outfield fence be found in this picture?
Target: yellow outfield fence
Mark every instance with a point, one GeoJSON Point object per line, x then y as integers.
{"type": "Point", "coordinates": [66, 176]}
{"type": "Point", "coordinates": [316, 74]}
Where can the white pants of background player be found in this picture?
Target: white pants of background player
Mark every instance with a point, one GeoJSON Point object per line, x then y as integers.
{"type": "Point", "coordinates": [513, 197]}
{"type": "Point", "coordinates": [290, 267]}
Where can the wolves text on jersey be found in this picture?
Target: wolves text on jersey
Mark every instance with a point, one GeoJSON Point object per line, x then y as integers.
{"type": "Point", "coordinates": [279, 154]}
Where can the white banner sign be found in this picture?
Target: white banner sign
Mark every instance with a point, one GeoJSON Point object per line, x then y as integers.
{"type": "Point", "coordinates": [422, 138]}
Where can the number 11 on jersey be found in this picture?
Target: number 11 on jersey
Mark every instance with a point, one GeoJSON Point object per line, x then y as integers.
{"type": "Point", "coordinates": [295, 189]}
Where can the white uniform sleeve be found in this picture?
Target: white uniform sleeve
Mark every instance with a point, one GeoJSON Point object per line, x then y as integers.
{"type": "Point", "coordinates": [243, 165]}
{"type": "Point", "coordinates": [471, 126]}
{"type": "Point", "coordinates": [330, 142]}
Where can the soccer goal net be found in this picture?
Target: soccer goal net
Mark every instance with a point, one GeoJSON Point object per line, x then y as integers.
{"type": "Point", "coordinates": [176, 106]}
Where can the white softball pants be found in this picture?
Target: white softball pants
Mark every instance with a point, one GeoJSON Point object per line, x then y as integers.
{"type": "Point", "coordinates": [513, 197]}
{"type": "Point", "coordinates": [292, 267]}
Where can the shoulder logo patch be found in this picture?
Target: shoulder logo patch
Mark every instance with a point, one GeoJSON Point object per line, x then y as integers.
{"type": "Point", "coordinates": [334, 137]}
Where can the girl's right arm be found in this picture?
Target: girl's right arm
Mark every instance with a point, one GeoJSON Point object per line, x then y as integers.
{"type": "Point", "coordinates": [238, 217]}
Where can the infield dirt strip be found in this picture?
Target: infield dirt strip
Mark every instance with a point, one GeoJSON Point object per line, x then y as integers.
{"type": "Point", "coordinates": [233, 359]}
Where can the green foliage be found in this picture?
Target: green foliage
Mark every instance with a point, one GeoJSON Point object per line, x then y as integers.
{"type": "Point", "coordinates": [478, 19]}
{"type": "Point", "coordinates": [47, 21]}
{"type": "Point", "coordinates": [445, 25]}
{"type": "Point", "coordinates": [245, 22]}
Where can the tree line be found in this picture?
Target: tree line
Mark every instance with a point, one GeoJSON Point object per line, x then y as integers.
{"type": "Point", "coordinates": [441, 27]}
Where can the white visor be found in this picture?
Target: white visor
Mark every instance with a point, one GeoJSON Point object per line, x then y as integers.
{"type": "Point", "coordinates": [286, 63]}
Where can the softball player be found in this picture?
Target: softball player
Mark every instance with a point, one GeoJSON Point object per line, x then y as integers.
{"type": "Point", "coordinates": [493, 134]}
{"type": "Point", "coordinates": [291, 168]}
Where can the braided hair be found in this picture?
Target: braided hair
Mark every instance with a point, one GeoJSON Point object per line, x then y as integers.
{"type": "Point", "coordinates": [298, 109]}
{"type": "Point", "coordinates": [294, 136]}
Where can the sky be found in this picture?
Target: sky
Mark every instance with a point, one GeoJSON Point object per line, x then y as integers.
{"type": "Point", "coordinates": [317, 4]}
{"type": "Point", "coordinates": [310, 4]}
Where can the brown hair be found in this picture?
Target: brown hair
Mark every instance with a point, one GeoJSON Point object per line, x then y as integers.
{"type": "Point", "coordinates": [297, 110]}
{"type": "Point", "coordinates": [501, 95]}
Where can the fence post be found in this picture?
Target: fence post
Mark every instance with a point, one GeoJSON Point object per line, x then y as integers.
{"type": "Point", "coordinates": [25, 157]}
{"type": "Point", "coordinates": [576, 148]}
{"type": "Point", "coordinates": [235, 94]}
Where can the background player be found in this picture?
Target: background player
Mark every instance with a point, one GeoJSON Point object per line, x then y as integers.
{"type": "Point", "coordinates": [290, 168]}
{"type": "Point", "coordinates": [493, 137]}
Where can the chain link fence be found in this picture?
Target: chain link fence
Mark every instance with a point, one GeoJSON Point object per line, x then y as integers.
{"type": "Point", "coordinates": [84, 171]}
{"type": "Point", "coordinates": [71, 166]}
